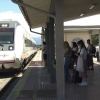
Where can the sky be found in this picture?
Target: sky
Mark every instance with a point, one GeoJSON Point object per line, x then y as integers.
{"type": "Point", "coordinates": [7, 5]}
{"type": "Point", "coordinates": [9, 10]}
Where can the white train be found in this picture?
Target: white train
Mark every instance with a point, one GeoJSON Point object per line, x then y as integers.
{"type": "Point", "coordinates": [16, 45]}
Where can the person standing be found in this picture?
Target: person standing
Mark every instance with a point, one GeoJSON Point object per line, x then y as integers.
{"type": "Point", "coordinates": [83, 55]}
{"type": "Point", "coordinates": [74, 50]}
{"type": "Point", "coordinates": [45, 54]}
{"type": "Point", "coordinates": [97, 53]}
{"type": "Point", "coordinates": [90, 56]}
{"type": "Point", "coordinates": [68, 60]}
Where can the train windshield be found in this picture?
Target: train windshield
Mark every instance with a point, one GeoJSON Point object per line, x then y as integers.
{"type": "Point", "coordinates": [6, 36]}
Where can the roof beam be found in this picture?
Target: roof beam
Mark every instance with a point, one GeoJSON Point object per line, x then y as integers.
{"type": "Point", "coordinates": [34, 8]}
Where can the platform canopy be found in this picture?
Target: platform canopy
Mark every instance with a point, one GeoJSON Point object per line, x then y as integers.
{"type": "Point", "coordinates": [73, 9]}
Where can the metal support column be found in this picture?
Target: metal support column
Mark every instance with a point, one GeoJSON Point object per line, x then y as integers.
{"type": "Point", "coordinates": [43, 36]}
{"type": "Point", "coordinates": [47, 43]}
{"type": "Point", "coordinates": [42, 40]}
{"type": "Point", "coordinates": [60, 51]}
{"type": "Point", "coordinates": [99, 46]}
{"type": "Point", "coordinates": [46, 39]}
{"type": "Point", "coordinates": [90, 36]}
{"type": "Point", "coordinates": [52, 50]}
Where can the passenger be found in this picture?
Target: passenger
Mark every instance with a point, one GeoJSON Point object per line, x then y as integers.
{"type": "Point", "coordinates": [97, 55]}
{"type": "Point", "coordinates": [74, 50]}
{"type": "Point", "coordinates": [75, 47]}
{"type": "Point", "coordinates": [90, 57]}
{"type": "Point", "coordinates": [67, 55]}
{"type": "Point", "coordinates": [83, 54]}
{"type": "Point", "coordinates": [45, 54]}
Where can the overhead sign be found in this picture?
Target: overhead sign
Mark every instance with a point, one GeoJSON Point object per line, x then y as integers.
{"type": "Point", "coordinates": [6, 29]}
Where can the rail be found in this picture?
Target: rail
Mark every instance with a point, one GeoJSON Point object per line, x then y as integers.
{"type": "Point", "coordinates": [19, 73]}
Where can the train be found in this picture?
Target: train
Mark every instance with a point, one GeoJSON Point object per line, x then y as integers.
{"type": "Point", "coordinates": [16, 45]}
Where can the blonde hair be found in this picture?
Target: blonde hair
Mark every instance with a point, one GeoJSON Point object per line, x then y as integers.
{"type": "Point", "coordinates": [67, 46]}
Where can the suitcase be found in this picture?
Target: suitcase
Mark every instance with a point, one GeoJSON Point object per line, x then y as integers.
{"type": "Point", "coordinates": [75, 77]}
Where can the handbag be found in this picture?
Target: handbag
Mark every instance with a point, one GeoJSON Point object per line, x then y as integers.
{"type": "Point", "coordinates": [80, 65]}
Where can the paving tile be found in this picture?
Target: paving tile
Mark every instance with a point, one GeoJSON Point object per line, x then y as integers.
{"type": "Point", "coordinates": [38, 83]}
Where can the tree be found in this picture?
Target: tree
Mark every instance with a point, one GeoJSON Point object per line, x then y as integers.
{"type": "Point", "coordinates": [95, 39]}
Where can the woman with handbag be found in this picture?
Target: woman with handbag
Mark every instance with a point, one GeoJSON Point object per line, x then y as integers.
{"type": "Point", "coordinates": [83, 59]}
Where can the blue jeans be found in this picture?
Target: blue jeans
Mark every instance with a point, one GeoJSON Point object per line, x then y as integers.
{"type": "Point", "coordinates": [66, 68]}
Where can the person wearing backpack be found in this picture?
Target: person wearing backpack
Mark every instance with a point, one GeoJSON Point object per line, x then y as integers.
{"type": "Point", "coordinates": [91, 51]}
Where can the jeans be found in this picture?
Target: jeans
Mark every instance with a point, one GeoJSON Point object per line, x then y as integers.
{"type": "Point", "coordinates": [67, 65]}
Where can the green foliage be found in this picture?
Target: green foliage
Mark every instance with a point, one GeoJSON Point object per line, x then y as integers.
{"type": "Point", "coordinates": [95, 39]}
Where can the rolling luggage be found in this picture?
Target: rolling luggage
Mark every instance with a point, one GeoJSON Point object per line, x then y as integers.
{"type": "Point", "coordinates": [75, 77]}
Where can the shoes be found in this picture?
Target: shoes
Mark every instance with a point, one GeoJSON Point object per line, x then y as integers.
{"type": "Point", "coordinates": [83, 84]}
{"type": "Point", "coordinates": [90, 69]}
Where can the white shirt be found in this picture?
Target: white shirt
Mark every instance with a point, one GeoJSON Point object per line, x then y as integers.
{"type": "Point", "coordinates": [84, 52]}
{"type": "Point", "coordinates": [97, 48]}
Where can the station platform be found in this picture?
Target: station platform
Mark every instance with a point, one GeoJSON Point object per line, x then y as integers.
{"type": "Point", "coordinates": [35, 85]}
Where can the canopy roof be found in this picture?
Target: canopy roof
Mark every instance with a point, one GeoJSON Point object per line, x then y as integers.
{"type": "Point", "coordinates": [72, 10]}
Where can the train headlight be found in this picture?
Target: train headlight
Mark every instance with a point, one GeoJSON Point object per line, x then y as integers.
{"type": "Point", "coordinates": [4, 24]}
{"type": "Point", "coordinates": [11, 47]}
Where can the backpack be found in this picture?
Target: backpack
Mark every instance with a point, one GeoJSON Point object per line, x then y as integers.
{"type": "Point", "coordinates": [93, 49]}
{"type": "Point", "coordinates": [75, 77]}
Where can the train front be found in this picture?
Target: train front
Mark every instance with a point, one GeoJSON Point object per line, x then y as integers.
{"type": "Point", "coordinates": [7, 54]}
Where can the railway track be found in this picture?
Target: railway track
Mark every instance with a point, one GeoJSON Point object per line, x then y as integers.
{"type": "Point", "coordinates": [9, 80]}
{"type": "Point", "coordinates": [7, 86]}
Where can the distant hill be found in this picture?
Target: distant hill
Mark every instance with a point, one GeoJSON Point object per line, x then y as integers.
{"type": "Point", "coordinates": [38, 40]}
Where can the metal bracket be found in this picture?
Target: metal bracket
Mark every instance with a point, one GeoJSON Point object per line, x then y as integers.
{"type": "Point", "coordinates": [36, 32]}
{"type": "Point", "coordinates": [34, 8]}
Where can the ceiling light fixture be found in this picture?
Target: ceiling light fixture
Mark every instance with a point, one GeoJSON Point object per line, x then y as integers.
{"type": "Point", "coordinates": [82, 14]}
{"type": "Point", "coordinates": [92, 6]}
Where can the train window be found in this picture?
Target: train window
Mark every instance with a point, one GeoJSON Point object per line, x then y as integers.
{"type": "Point", "coordinates": [25, 41]}
{"type": "Point", "coordinates": [28, 43]}
{"type": "Point", "coordinates": [7, 37]}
